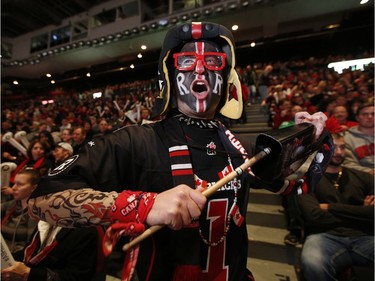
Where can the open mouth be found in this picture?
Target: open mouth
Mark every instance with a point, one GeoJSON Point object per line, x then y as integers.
{"type": "Point", "coordinates": [199, 89]}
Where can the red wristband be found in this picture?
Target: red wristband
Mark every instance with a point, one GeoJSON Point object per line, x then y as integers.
{"type": "Point", "coordinates": [132, 206]}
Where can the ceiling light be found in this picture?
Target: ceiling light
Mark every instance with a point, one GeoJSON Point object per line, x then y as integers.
{"type": "Point", "coordinates": [144, 28]}
{"type": "Point", "coordinates": [252, 44]}
{"type": "Point", "coordinates": [235, 27]}
{"type": "Point", "coordinates": [363, 2]}
{"type": "Point", "coordinates": [53, 82]}
{"type": "Point", "coordinates": [208, 12]}
{"type": "Point", "coordinates": [139, 55]}
{"type": "Point", "coordinates": [219, 9]}
{"type": "Point", "coordinates": [196, 15]}
{"type": "Point", "coordinates": [154, 25]}
{"type": "Point", "coordinates": [245, 3]}
{"type": "Point", "coordinates": [135, 30]}
{"type": "Point", "coordinates": [232, 6]}
{"type": "Point", "coordinates": [143, 47]}
{"type": "Point", "coordinates": [127, 32]}
{"type": "Point", "coordinates": [88, 74]}
{"type": "Point", "coordinates": [132, 66]}
{"type": "Point", "coordinates": [48, 75]}
{"type": "Point", "coordinates": [185, 17]}
{"type": "Point", "coordinates": [15, 82]}
{"type": "Point", "coordinates": [163, 22]}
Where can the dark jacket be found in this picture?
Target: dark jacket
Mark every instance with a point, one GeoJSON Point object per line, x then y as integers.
{"type": "Point", "coordinates": [346, 216]}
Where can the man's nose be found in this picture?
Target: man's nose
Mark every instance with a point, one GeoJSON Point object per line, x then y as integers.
{"type": "Point", "coordinates": [199, 68]}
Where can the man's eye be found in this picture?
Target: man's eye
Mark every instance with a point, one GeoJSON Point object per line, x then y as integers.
{"type": "Point", "coordinates": [187, 61]}
{"type": "Point", "coordinates": [212, 60]}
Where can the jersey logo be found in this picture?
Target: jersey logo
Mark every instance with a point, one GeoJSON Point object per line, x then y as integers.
{"type": "Point", "coordinates": [63, 166]}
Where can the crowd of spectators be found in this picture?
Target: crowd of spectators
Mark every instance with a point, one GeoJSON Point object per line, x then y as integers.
{"type": "Point", "coordinates": [292, 86]}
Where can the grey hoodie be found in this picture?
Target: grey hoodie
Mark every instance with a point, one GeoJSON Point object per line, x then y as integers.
{"type": "Point", "coordinates": [359, 150]}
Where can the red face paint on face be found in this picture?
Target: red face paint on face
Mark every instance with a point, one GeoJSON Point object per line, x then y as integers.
{"type": "Point", "coordinates": [199, 87]}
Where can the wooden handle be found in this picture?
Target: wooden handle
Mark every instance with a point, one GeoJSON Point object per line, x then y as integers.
{"type": "Point", "coordinates": [208, 192]}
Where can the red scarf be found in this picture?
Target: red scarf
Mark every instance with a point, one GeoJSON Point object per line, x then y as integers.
{"type": "Point", "coordinates": [36, 166]}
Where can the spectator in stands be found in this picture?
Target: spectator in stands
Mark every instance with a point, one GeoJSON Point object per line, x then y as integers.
{"type": "Point", "coordinates": [264, 82]}
{"type": "Point", "coordinates": [67, 136]}
{"type": "Point", "coordinates": [251, 80]}
{"type": "Point", "coordinates": [104, 127]}
{"type": "Point", "coordinates": [293, 111]}
{"type": "Point", "coordinates": [360, 141]}
{"type": "Point", "coordinates": [62, 152]}
{"type": "Point", "coordinates": [340, 112]}
{"type": "Point", "coordinates": [63, 254]}
{"type": "Point", "coordinates": [79, 137]}
{"type": "Point", "coordinates": [299, 99]}
{"type": "Point", "coordinates": [17, 227]}
{"type": "Point", "coordinates": [38, 158]}
{"type": "Point", "coordinates": [282, 113]}
{"type": "Point", "coordinates": [339, 220]}
{"type": "Point", "coordinates": [46, 136]}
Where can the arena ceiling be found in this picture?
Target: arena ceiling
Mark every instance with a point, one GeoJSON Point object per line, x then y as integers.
{"type": "Point", "coordinates": [20, 17]}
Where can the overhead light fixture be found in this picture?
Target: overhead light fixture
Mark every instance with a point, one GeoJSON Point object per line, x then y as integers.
{"type": "Point", "coordinates": [235, 27]}
{"type": "Point", "coordinates": [15, 82]}
{"type": "Point", "coordinates": [185, 17]}
{"type": "Point", "coordinates": [127, 32]}
{"type": "Point", "coordinates": [88, 74]}
{"type": "Point", "coordinates": [174, 20]}
{"type": "Point", "coordinates": [139, 55]}
{"type": "Point", "coordinates": [48, 75]}
{"type": "Point", "coordinates": [53, 81]}
{"type": "Point", "coordinates": [163, 22]}
{"type": "Point", "coordinates": [144, 28]}
{"type": "Point", "coordinates": [363, 2]}
{"type": "Point", "coordinates": [154, 25]}
{"type": "Point", "coordinates": [196, 15]}
{"type": "Point", "coordinates": [245, 3]}
{"type": "Point", "coordinates": [143, 47]}
{"type": "Point", "coordinates": [219, 9]}
{"type": "Point", "coordinates": [132, 66]}
{"type": "Point", "coordinates": [135, 30]}
{"type": "Point", "coordinates": [207, 12]}
{"type": "Point", "coordinates": [232, 6]}
{"type": "Point", "coordinates": [252, 44]}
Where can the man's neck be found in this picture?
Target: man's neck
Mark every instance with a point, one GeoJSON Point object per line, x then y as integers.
{"type": "Point", "coordinates": [333, 169]}
{"type": "Point", "coordinates": [366, 131]}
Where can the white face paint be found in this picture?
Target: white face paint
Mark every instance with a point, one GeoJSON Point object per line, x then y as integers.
{"type": "Point", "coordinates": [199, 90]}
{"type": "Point", "coordinates": [180, 84]}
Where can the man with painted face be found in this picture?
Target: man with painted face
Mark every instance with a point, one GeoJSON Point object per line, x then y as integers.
{"type": "Point", "coordinates": [154, 174]}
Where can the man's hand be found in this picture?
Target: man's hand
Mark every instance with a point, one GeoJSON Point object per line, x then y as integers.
{"type": "Point", "coordinates": [318, 119]}
{"type": "Point", "coordinates": [17, 272]}
{"type": "Point", "coordinates": [176, 207]}
{"type": "Point", "coordinates": [324, 207]}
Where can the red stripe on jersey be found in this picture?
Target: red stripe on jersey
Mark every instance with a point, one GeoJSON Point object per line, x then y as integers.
{"type": "Point", "coordinates": [179, 153]}
{"type": "Point", "coordinates": [182, 172]}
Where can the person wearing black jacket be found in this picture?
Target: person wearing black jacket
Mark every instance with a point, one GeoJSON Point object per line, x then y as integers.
{"type": "Point", "coordinates": [58, 254]}
{"type": "Point", "coordinates": [154, 174]}
{"type": "Point", "coordinates": [339, 220]}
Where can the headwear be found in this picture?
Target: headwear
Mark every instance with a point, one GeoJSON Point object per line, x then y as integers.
{"type": "Point", "coordinates": [180, 35]}
{"type": "Point", "coordinates": [66, 146]}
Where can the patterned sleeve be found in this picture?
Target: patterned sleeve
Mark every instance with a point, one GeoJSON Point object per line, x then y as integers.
{"type": "Point", "coordinates": [74, 208]}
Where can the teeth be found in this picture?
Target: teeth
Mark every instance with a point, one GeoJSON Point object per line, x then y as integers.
{"type": "Point", "coordinates": [200, 83]}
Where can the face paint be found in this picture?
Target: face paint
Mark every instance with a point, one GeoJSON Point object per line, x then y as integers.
{"type": "Point", "coordinates": [199, 88]}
